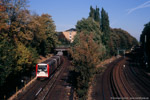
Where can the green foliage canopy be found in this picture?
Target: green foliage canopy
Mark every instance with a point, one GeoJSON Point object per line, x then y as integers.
{"type": "Point", "coordinates": [145, 40]}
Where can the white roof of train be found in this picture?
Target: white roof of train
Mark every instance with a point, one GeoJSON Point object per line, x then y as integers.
{"type": "Point", "coordinates": [60, 53]}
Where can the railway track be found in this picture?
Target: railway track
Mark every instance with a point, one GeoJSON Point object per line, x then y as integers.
{"type": "Point", "coordinates": [35, 89]}
{"type": "Point", "coordinates": [41, 88]}
{"type": "Point", "coordinates": [61, 89]}
{"type": "Point", "coordinates": [44, 94]}
{"type": "Point", "coordinates": [108, 88]}
{"type": "Point", "coordinates": [140, 79]}
{"type": "Point", "coordinates": [122, 81]}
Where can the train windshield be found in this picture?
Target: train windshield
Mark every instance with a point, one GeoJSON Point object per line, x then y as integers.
{"type": "Point", "coordinates": [42, 68]}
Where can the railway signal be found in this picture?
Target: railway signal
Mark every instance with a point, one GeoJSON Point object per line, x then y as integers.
{"type": "Point", "coordinates": [123, 50]}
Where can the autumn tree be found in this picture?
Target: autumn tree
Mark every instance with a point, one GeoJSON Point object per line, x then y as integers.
{"type": "Point", "coordinates": [44, 34]}
{"type": "Point", "coordinates": [93, 43]}
{"type": "Point", "coordinates": [9, 29]}
{"type": "Point", "coordinates": [22, 38]}
{"type": "Point", "coordinates": [87, 51]}
{"type": "Point", "coordinates": [3, 16]}
{"type": "Point", "coordinates": [85, 58]}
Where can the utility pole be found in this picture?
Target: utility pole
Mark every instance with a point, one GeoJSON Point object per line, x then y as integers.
{"type": "Point", "coordinates": [145, 39]}
{"type": "Point", "coordinates": [145, 56]}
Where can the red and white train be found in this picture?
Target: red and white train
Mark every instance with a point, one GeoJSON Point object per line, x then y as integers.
{"type": "Point", "coordinates": [46, 68]}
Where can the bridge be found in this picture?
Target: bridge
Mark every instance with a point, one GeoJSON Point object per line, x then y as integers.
{"type": "Point", "coordinates": [63, 49]}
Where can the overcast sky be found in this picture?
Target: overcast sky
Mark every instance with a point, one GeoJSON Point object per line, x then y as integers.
{"type": "Point", "coordinates": [130, 15]}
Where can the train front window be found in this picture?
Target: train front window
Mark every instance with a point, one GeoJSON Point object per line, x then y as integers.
{"type": "Point", "coordinates": [42, 68]}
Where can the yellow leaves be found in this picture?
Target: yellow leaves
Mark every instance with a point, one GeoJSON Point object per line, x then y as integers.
{"type": "Point", "coordinates": [19, 68]}
{"type": "Point", "coordinates": [4, 57]}
{"type": "Point", "coordinates": [23, 54]}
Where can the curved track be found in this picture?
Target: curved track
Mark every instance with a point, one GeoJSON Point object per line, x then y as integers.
{"type": "Point", "coordinates": [128, 81]}
{"type": "Point", "coordinates": [123, 79]}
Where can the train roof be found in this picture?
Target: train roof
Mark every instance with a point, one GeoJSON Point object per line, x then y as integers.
{"type": "Point", "coordinates": [48, 60]}
{"type": "Point", "coordinates": [56, 57]}
{"type": "Point", "coordinates": [60, 53]}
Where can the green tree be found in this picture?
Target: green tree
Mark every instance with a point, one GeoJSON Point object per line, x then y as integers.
{"type": "Point", "coordinates": [105, 22]}
{"type": "Point", "coordinates": [105, 29]}
{"type": "Point", "coordinates": [145, 40]}
{"type": "Point", "coordinates": [52, 39]}
{"type": "Point", "coordinates": [120, 39]}
{"type": "Point", "coordinates": [94, 14]}
{"type": "Point", "coordinates": [97, 15]}
{"type": "Point", "coordinates": [145, 34]}
{"type": "Point", "coordinates": [7, 55]}
{"type": "Point", "coordinates": [89, 26]}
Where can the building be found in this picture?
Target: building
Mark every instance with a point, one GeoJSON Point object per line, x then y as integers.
{"type": "Point", "coordinates": [67, 35]}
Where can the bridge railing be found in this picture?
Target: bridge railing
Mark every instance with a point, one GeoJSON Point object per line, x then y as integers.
{"type": "Point", "coordinates": [63, 46]}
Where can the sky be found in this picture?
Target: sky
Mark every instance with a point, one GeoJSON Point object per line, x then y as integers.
{"type": "Point", "coordinates": [129, 15]}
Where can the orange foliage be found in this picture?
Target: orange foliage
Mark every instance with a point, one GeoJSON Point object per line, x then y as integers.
{"type": "Point", "coordinates": [87, 52]}
{"type": "Point", "coordinates": [2, 8]}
